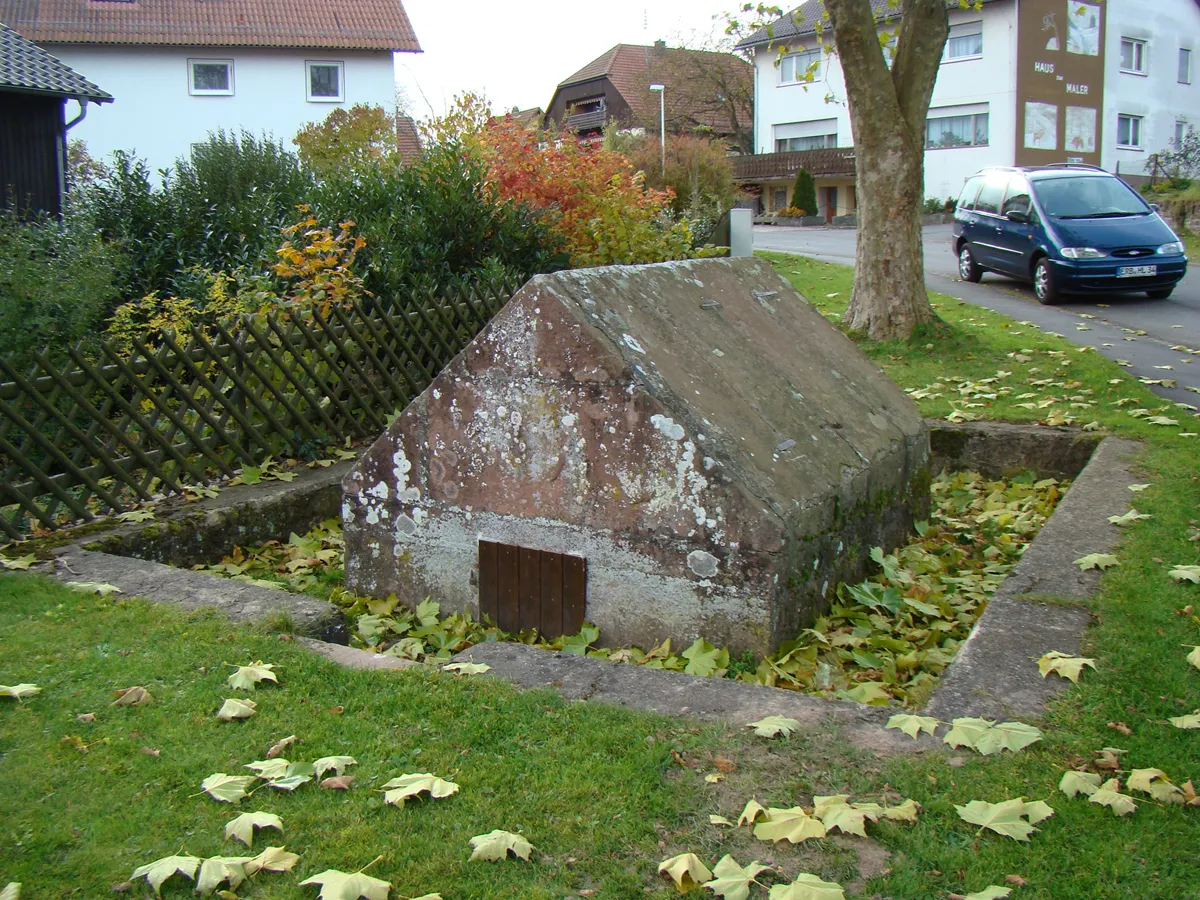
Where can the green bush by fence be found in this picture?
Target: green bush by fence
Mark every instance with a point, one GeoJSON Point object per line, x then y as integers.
{"type": "Point", "coordinates": [108, 430]}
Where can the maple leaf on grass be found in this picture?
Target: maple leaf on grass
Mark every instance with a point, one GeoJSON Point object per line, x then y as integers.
{"type": "Point", "coordinates": [338, 782]}
{"type": "Point", "coordinates": [269, 769]}
{"type": "Point", "coordinates": [1155, 783]}
{"type": "Point", "coordinates": [496, 845]}
{"type": "Point", "coordinates": [242, 827]}
{"type": "Point", "coordinates": [337, 763]}
{"type": "Point", "coordinates": [1011, 818]}
{"type": "Point", "coordinates": [336, 885]}
{"type": "Point", "coordinates": [1073, 783]}
{"type": "Point", "coordinates": [281, 746]}
{"type": "Point", "coordinates": [773, 725]}
{"type": "Point", "coordinates": [94, 587]}
{"type": "Point", "coordinates": [1097, 561]}
{"type": "Point", "coordinates": [732, 881]}
{"type": "Point", "coordinates": [720, 820]}
{"type": "Point", "coordinates": [913, 725]}
{"type": "Point", "coordinates": [1192, 721]}
{"type": "Point", "coordinates": [227, 788]}
{"type": "Point", "coordinates": [273, 859]}
{"type": "Point", "coordinates": [12, 891]}
{"type": "Point", "coordinates": [1194, 657]}
{"type": "Point", "coordinates": [19, 691]}
{"type": "Point", "coordinates": [236, 709]}
{"type": "Point", "coordinates": [807, 887]}
{"type": "Point", "coordinates": [793, 824]}
{"type": "Point", "coordinates": [467, 668]}
{"type": "Point", "coordinates": [1132, 516]}
{"type": "Point", "coordinates": [991, 892]}
{"type": "Point", "coordinates": [1185, 573]}
{"type": "Point", "coordinates": [687, 870]}
{"type": "Point", "coordinates": [987, 737]}
{"type": "Point", "coordinates": [293, 776]}
{"type": "Point", "coordinates": [19, 564]}
{"type": "Point", "coordinates": [132, 696]}
{"type": "Point", "coordinates": [751, 813]}
{"type": "Point", "coordinates": [1063, 664]}
{"type": "Point", "coordinates": [835, 812]}
{"type": "Point", "coordinates": [221, 869]}
{"type": "Point", "coordinates": [244, 678]}
{"type": "Point", "coordinates": [1109, 794]}
{"type": "Point", "coordinates": [401, 788]}
{"type": "Point", "coordinates": [160, 870]}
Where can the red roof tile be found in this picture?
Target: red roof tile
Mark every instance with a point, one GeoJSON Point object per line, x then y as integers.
{"type": "Point", "coordinates": [408, 141]}
{"type": "Point", "coordinates": [317, 24]}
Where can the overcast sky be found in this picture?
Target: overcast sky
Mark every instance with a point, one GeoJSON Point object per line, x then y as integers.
{"type": "Point", "coordinates": [517, 51]}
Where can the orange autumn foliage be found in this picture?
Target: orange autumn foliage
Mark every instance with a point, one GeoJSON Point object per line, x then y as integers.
{"type": "Point", "coordinates": [598, 204]}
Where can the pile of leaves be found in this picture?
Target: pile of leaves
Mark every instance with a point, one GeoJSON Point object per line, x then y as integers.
{"type": "Point", "coordinates": [886, 639]}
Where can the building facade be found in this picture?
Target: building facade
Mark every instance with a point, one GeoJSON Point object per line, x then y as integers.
{"type": "Point", "coordinates": [180, 71]}
{"type": "Point", "coordinates": [1022, 82]}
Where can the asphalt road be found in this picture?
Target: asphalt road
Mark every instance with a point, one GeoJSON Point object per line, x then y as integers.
{"type": "Point", "coordinates": [1174, 322]}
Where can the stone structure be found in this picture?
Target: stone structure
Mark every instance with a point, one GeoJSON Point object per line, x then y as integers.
{"type": "Point", "coordinates": [717, 451]}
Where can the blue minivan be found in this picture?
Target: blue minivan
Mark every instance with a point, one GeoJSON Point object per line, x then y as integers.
{"type": "Point", "coordinates": [1068, 229]}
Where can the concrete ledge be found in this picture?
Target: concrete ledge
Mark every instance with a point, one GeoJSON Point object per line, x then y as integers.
{"type": "Point", "coordinates": [239, 601]}
{"type": "Point", "coordinates": [998, 449]}
{"type": "Point", "coordinates": [674, 693]}
{"type": "Point", "coordinates": [185, 534]}
{"type": "Point", "coordinates": [993, 674]}
{"type": "Point", "coordinates": [352, 658]}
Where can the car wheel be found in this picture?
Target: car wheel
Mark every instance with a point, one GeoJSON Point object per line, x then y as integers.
{"type": "Point", "coordinates": [1161, 293]}
{"type": "Point", "coordinates": [968, 269]}
{"type": "Point", "coordinates": [1043, 282]}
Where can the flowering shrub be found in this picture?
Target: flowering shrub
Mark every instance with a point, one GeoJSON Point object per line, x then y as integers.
{"type": "Point", "coordinates": [592, 197]}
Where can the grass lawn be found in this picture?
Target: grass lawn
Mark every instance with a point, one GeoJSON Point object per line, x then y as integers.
{"type": "Point", "coordinates": [597, 790]}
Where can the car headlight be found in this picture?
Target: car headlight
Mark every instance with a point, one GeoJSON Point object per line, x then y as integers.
{"type": "Point", "coordinates": [1083, 253]}
{"type": "Point", "coordinates": [1174, 248]}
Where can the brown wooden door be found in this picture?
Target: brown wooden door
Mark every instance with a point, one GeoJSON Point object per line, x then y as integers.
{"type": "Point", "coordinates": [522, 589]}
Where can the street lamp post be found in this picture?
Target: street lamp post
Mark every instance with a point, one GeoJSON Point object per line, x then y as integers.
{"type": "Point", "coordinates": [661, 90]}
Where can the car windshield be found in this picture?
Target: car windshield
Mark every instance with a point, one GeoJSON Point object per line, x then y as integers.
{"type": "Point", "coordinates": [1087, 197]}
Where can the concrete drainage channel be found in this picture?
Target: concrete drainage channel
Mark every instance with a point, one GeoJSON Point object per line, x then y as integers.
{"type": "Point", "coordinates": [992, 676]}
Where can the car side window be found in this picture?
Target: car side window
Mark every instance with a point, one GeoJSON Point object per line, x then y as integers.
{"type": "Point", "coordinates": [966, 200]}
{"type": "Point", "coordinates": [1017, 198]}
{"type": "Point", "coordinates": [991, 193]}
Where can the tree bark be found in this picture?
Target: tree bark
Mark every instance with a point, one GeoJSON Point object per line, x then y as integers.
{"type": "Point", "coordinates": [888, 108]}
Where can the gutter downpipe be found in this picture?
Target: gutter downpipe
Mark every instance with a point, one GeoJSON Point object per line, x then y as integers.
{"type": "Point", "coordinates": [62, 154]}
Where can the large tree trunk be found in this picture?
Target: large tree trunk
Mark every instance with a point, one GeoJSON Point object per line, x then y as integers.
{"type": "Point", "coordinates": [888, 108]}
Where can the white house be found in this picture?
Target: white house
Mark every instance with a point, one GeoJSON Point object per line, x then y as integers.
{"type": "Point", "coordinates": [1022, 82]}
{"type": "Point", "coordinates": [179, 69]}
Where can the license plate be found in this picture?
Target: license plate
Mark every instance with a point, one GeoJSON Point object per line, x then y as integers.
{"type": "Point", "coordinates": [1136, 271]}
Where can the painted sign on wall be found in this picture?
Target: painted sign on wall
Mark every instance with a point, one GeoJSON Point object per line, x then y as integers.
{"type": "Point", "coordinates": [1060, 81]}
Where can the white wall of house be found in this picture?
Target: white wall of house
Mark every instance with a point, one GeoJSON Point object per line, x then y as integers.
{"type": "Point", "coordinates": [968, 86]}
{"type": "Point", "coordinates": [1155, 96]}
{"type": "Point", "coordinates": [154, 114]}
{"type": "Point", "coordinates": [988, 83]}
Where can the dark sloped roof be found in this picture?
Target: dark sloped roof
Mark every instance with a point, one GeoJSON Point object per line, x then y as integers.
{"type": "Point", "coordinates": [804, 19]}
{"type": "Point", "coordinates": [631, 67]}
{"type": "Point", "coordinates": [26, 67]}
{"type": "Point", "coordinates": [319, 24]}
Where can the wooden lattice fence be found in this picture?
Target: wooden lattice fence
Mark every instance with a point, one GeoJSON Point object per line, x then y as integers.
{"type": "Point", "coordinates": [112, 428]}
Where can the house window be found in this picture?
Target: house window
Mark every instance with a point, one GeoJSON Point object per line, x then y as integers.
{"type": "Point", "coordinates": [1185, 66]}
{"type": "Point", "coordinates": [210, 77]}
{"type": "Point", "coordinates": [325, 81]}
{"type": "Point", "coordinates": [1133, 56]}
{"type": "Point", "coordinates": [965, 42]}
{"type": "Point", "coordinates": [778, 198]}
{"type": "Point", "coordinates": [1180, 133]}
{"type": "Point", "coordinates": [816, 134]}
{"type": "Point", "coordinates": [795, 68]}
{"type": "Point", "coordinates": [1129, 132]}
{"type": "Point", "coordinates": [968, 129]}
{"type": "Point", "coordinates": [815, 142]}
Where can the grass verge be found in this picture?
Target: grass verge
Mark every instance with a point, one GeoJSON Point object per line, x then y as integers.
{"type": "Point", "coordinates": [598, 790]}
